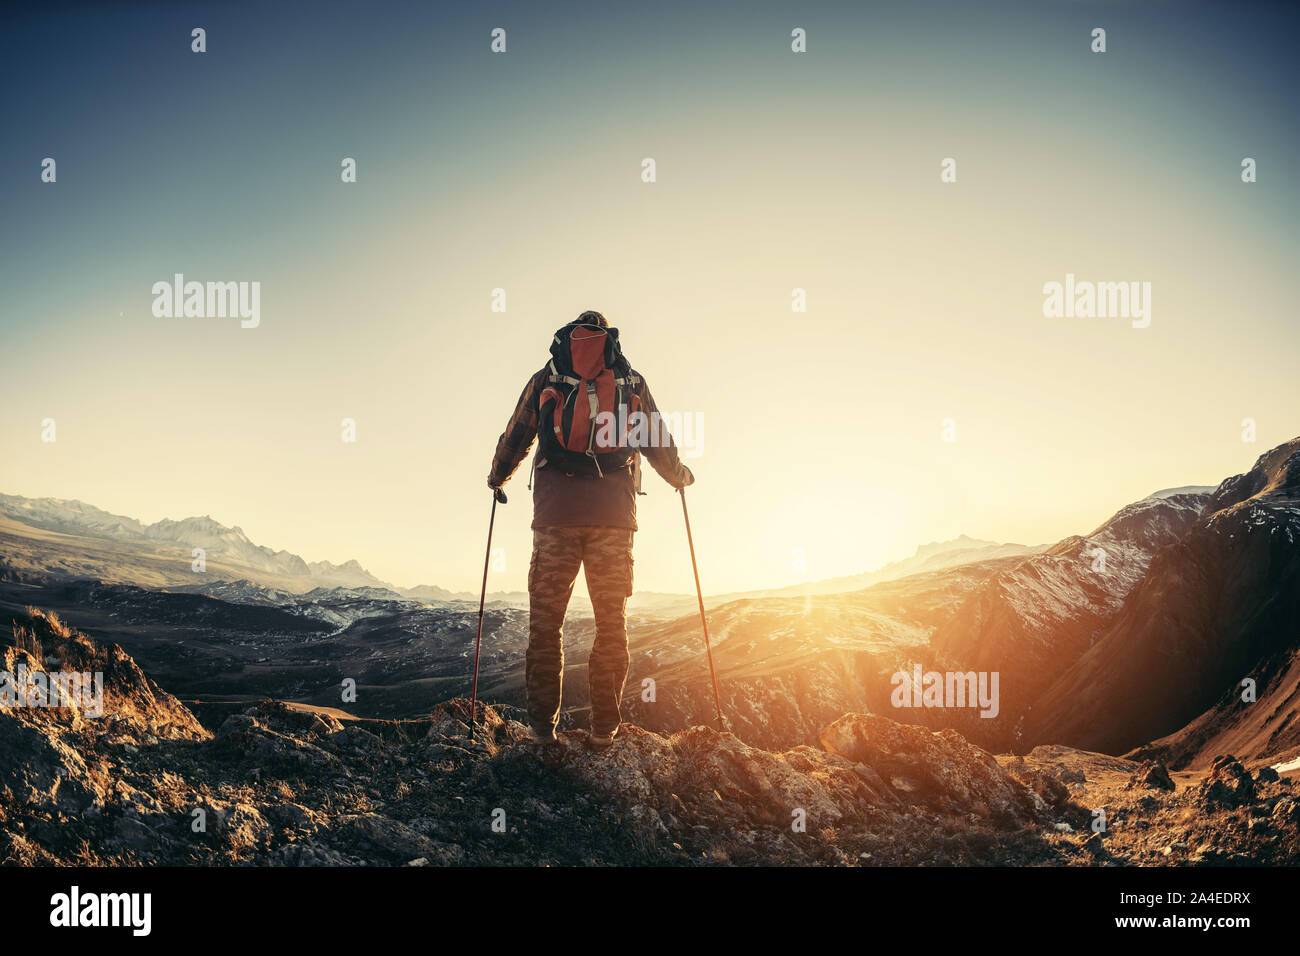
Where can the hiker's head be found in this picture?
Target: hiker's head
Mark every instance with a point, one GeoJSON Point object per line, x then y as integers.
{"type": "Point", "coordinates": [591, 318]}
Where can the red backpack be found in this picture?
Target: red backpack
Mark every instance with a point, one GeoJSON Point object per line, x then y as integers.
{"type": "Point", "coordinates": [587, 376]}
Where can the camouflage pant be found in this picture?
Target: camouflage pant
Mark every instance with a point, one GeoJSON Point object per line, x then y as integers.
{"type": "Point", "coordinates": [606, 556]}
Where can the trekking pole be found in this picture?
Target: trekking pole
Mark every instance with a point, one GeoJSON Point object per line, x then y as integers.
{"type": "Point", "coordinates": [497, 495]}
{"type": "Point", "coordinates": [703, 620]}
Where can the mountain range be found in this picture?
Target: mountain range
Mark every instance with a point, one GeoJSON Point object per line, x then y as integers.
{"type": "Point", "coordinates": [136, 543]}
{"type": "Point", "coordinates": [1204, 656]}
{"type": "Point", "coordinates": [160, 554]}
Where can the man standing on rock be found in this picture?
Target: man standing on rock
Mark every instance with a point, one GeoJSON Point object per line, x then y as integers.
{"type": "Point", "coordinates": [584, 408]}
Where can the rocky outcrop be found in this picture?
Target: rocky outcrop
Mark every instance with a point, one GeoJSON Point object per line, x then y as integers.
{"type": "Point", "coordinates": [278, 784]}
{"type": "Point", "coordinates": [1229, 784]}
{"type": "Point", "coordinates": [1151, 775]}
{"type": "Point", "coordinates": [283, 785]}
{"type": "Point", "coordinates": [938, 770]}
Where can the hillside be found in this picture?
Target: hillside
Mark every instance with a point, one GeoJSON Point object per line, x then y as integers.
{"type": "Point", "coordinates": [1030, 621]}
{"type": "Point", "coordinates": [789, 666]}
{"type": "Point", "coordinates": [1220, 606]}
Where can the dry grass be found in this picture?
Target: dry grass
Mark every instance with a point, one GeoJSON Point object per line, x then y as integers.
{"type": "Point", "coordinates": [25, 639]}
{"type": "Point", "coordinates": [42, 627]}
{"type": "Point", "coordinates": [52, 621]}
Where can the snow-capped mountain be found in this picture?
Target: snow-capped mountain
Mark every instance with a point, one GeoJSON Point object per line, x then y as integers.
{"type": "Point", "coordinates": [1220, 608]}
{"type": "Point", "coordinates": [231, 543]}
{"type": "Point", "coordinates": [1031, 621]}
{"type": "Point", "coordinates": [223, 546]}
{"type": "Point", "coordinates": [159, 554]}
{"type": "Point", "coordinates": [70, 517]}
{"type": "Point", "coordinates": [1184, 490]}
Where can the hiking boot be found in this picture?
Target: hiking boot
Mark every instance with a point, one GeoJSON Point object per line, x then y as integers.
{"type": "Point", "coordinates": [599, 741]}
{"type": "Point", "coordinates": [544, 736]}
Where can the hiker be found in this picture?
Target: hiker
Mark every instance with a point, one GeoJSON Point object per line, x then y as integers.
{"type": "Point", "coordinates": [586, 475]}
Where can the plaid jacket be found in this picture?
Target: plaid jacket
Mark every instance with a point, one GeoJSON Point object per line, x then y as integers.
{"type": "Point", "coordinates": [521, 432]}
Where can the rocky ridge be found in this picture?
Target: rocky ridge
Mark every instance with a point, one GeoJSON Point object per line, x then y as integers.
{"type": "Point", "coordinates": [278, 784]}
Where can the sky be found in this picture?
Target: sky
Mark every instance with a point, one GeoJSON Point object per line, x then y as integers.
{"type": "Point", "coordinates": [923, 393]}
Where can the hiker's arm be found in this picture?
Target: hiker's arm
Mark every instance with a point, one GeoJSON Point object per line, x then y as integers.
{"type": "Point", "coordinates": [662, 455]}
{"type": "Point", "coordinates": [513, 445]}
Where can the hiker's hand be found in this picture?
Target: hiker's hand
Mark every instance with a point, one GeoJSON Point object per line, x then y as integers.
{"type": "Point", "coordinates": [499, 495]}
{"type": "Point", "coordinates": [684, 478]}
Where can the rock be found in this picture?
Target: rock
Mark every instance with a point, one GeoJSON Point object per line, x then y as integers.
{"type": "Point", "coordinates": [939, 770]}
{"type": "Point", "coordinates": [360, 740]}
{"type": "Point", "coordinates": [1050, 789]}
{"type": "Point", "coordinates": [1227, 785]}
{"type": "Point", "coordinates": [452, 719]}
{"type": "Point", "coordinates": [245, 739]}
{"type": "Point", "coordinates": [1151, 775]}
{"type": "Point", "coordinates": [294, 816]}
{"type": "Point", "coordinates": [310, 854]}
{"type": "Point", "coordinates": [140, 800]}
{"type": "Point", "coordinates": [235, 725]}
{"type": "Point", "coordinates": [1286, 810]}
{"type": "Point", "coordinates": [447, 854]}
{"type": "Point", "coordinates": [380, 839]}
{"type": "Point", "coordinates": [240, 825]}
{"type": "Point", "coordinates": [44, 769]}
{"type": "Point", "coordinates": [134, 834]}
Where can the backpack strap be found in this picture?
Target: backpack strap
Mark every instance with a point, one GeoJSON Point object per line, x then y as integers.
{"type": "Point", "coordinates": [555, 375]}
{"type": "Point", "coordinates": [593, 405]}
{"type": "Point", "coordinates": [624, 385]}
